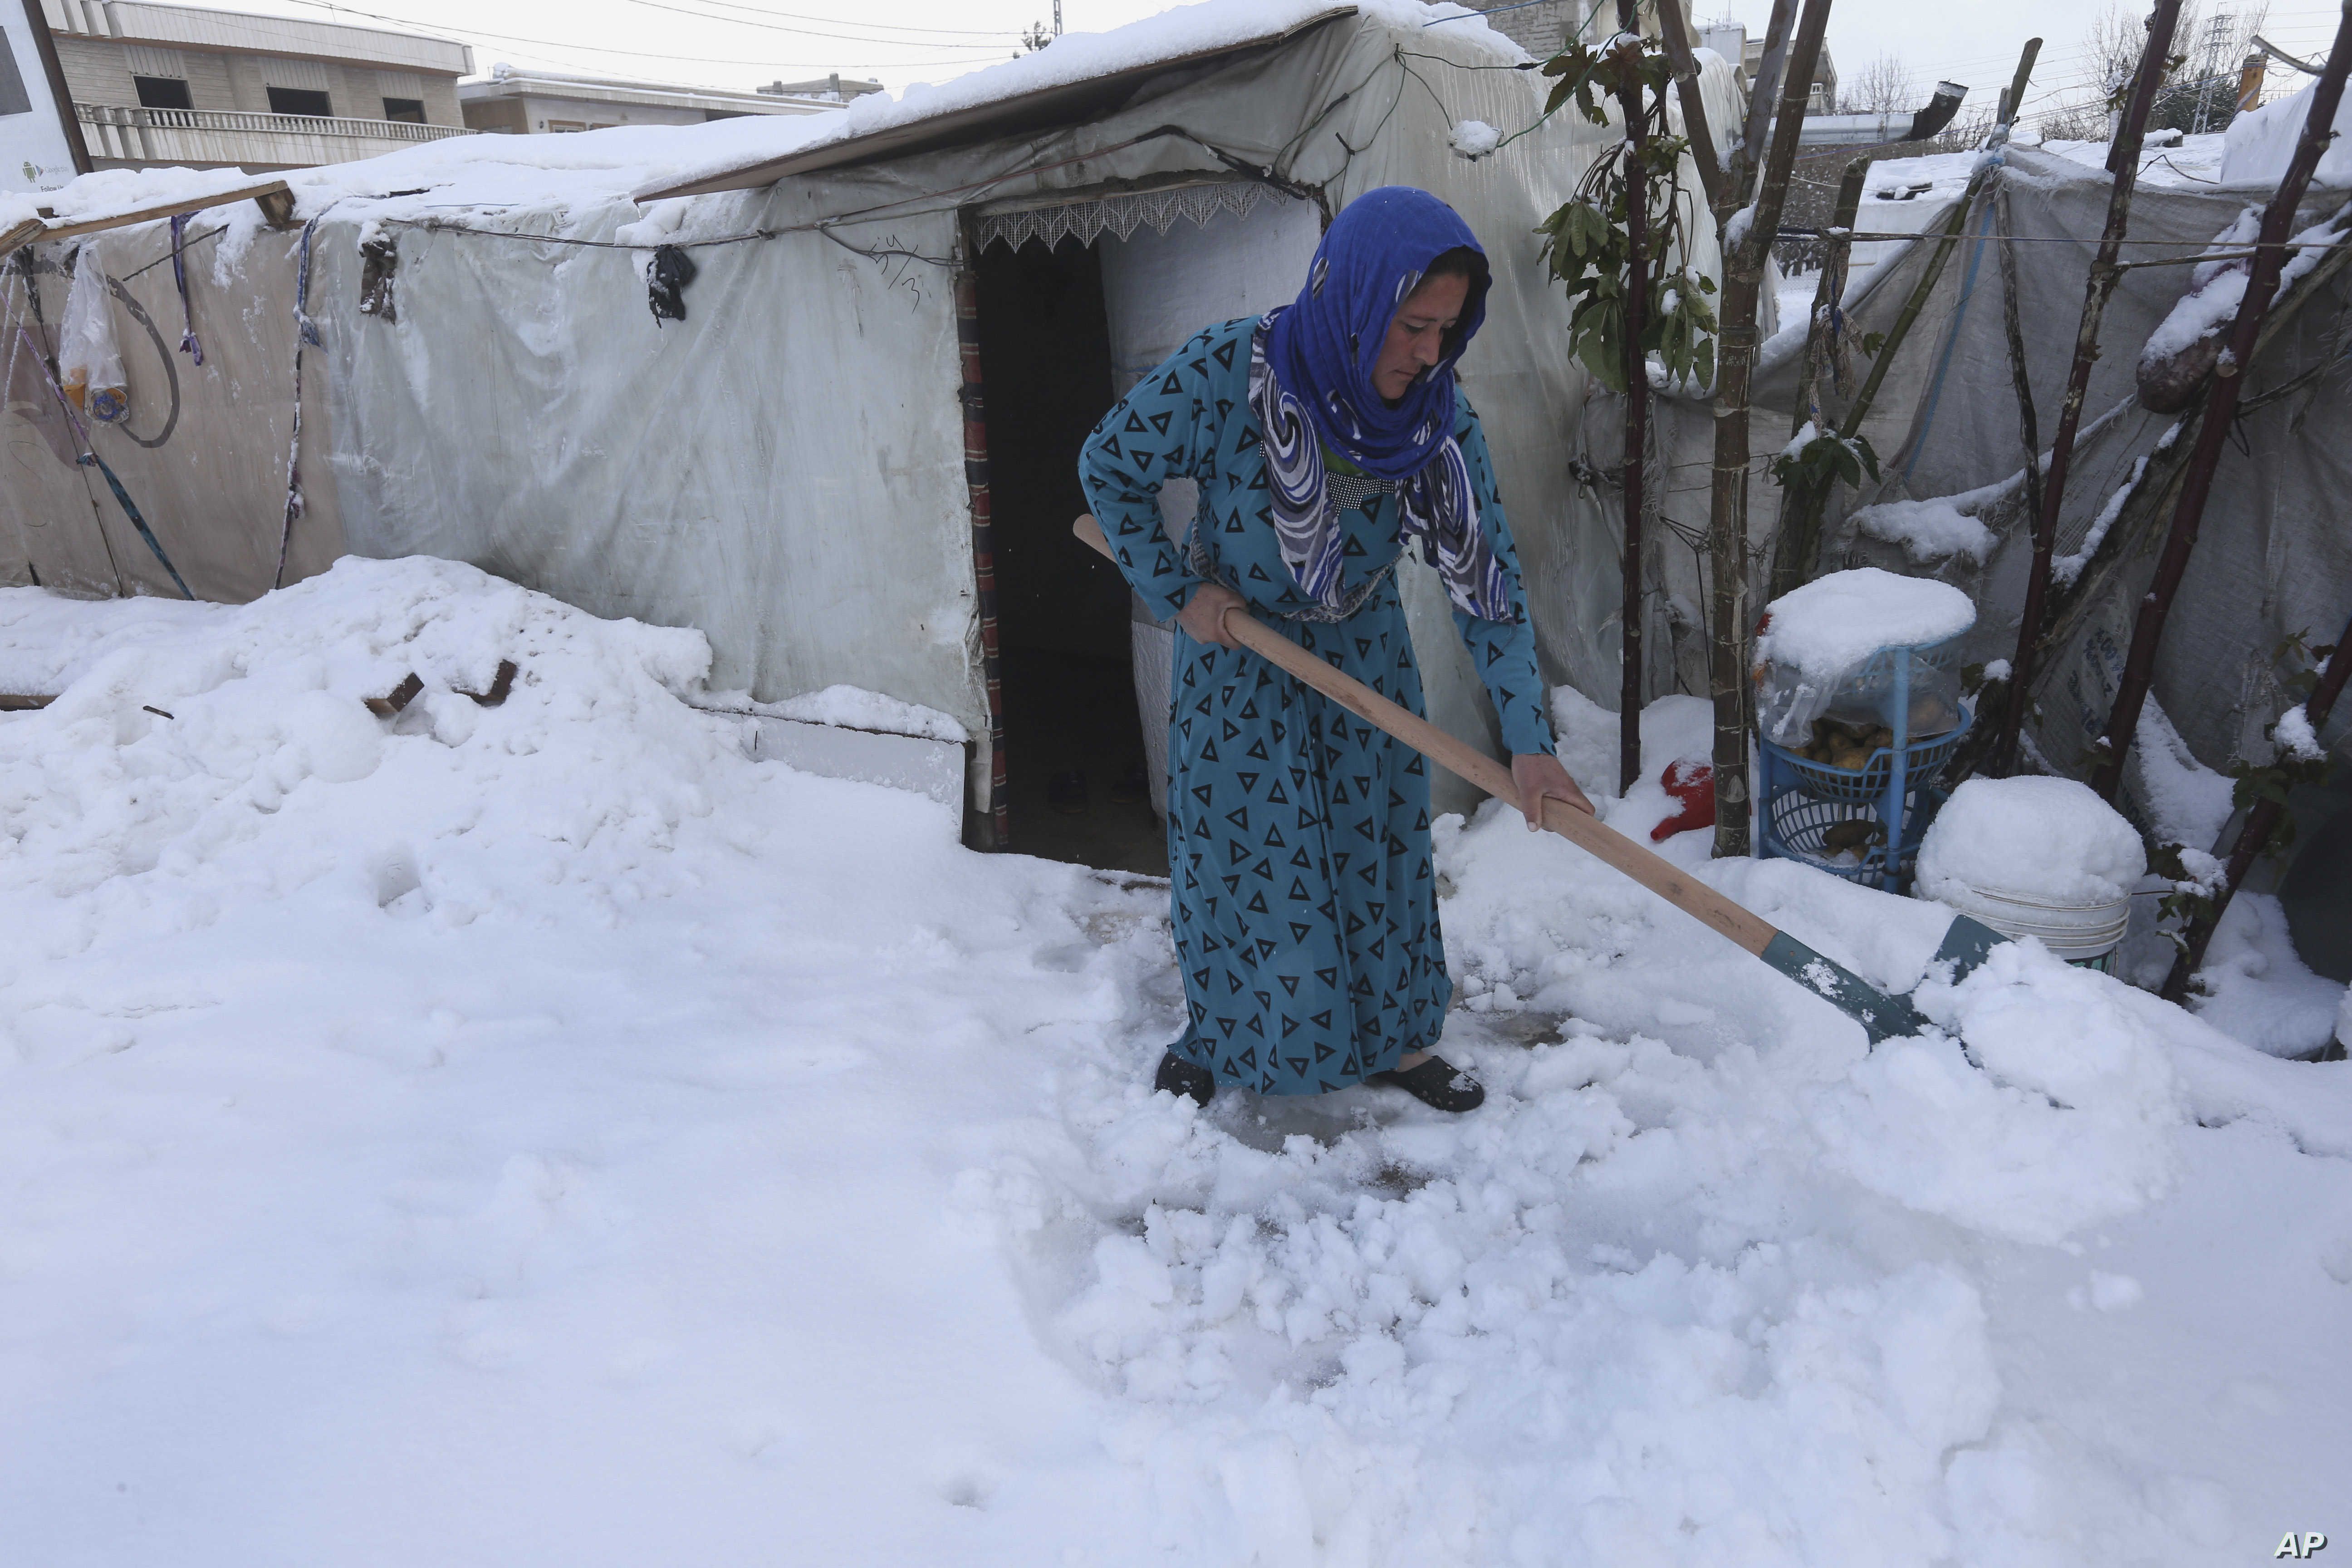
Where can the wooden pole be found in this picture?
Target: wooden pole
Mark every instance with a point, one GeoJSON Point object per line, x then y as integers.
{"type": "Point", "coordinates": [1798, 534]}
{"type": "Point", "coordinates": [2028, 434]}
{"type": "Point", "coordinates": [1637, 402]}
{"type": "Point", "coordinates": [1743, 280]}
{"type": "Point", "coordinates": [2122, 161]}
{"type": "Point", "coordinates": [1739, 179]}
{"type": "Point", "coordinates": [1676, 37]}
{"type": "Point", "coordinates": [2260, 823]}
{"type": "Point", "coordinates": [983, 545]}
{"type": "Point", "coordinates": [2270, 255]}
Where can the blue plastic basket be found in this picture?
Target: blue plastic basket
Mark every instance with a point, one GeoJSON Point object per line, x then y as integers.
{"type": "Point", "coordinates": [1800, 800]}
{"type": "Point", "coordinates": [1924, 764]}
{"type": "Point", "coordinates": [1794, 825]}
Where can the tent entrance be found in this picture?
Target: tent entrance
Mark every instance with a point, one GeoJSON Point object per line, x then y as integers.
{"type": "Point", "coordinates": [1075, 762]}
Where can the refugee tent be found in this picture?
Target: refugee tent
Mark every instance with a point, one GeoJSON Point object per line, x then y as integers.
{"type": "Point", "coordinates": [2274, 554]}
{"type": "Point", "coordinates": [789, 466]}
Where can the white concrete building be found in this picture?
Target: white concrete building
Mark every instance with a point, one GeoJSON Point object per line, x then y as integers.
{"type": "Point", "coordinates": [514, 102]}
{"type": "Point", "coordinates": [174, 84]}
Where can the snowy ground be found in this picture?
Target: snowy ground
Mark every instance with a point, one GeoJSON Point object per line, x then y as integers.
{"type": "Point", "coordinates": [539, 1134]}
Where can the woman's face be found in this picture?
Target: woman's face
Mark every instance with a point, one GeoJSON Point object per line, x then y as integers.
{"type": "Point", "coordinates": [1417, 335]}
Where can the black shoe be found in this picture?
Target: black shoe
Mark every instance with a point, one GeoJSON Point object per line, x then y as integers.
{"type": "Point", "coordinates": [1066, 793]}
{"type": "Point", "coordinates": [1133, 788]}
{"type": "Point", "coordinates": [1436, 1083]}
{"type": "Point", "coordinates": [1177, 1076]}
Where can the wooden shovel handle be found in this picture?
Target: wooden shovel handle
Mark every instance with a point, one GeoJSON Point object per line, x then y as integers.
{"type": "Point", "coordinates": [1661, 875]}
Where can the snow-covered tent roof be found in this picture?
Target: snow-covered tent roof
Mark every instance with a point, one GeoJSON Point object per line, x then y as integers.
{"type": "Point", "coordinates": [784, 468]}
{"type": "Point", "coordinates": [1077, 78]}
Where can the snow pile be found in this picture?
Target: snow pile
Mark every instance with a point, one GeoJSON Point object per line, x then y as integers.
{"type": "Point", "coordinates": [2218, 288]}
{"type": "Point", "coordinates": [2260, 144]}
{"type": "Point", "coordinates": [1832, 624]}
{"type": "Point", "coordinates": [1928, 530]}
{"type": "Point", "coordinates": [2186, 802]}
{"type": "Point", "coordinates": [854, 708]}
{"type": "Point", "coordinates": [110, 191]}
{"type": "Point", "coordinates": [1474, 139]}
{"type": "Point", "coordinates": [660, 1145]}
{"type": "Point", "coordinates": [1586, 739]}
{"type": "Point", "coordinates": [2295, 737]}
{"type": "Point", "coordinates": [2052, 840]}
{"type": "Point", "coordinates": [2060, 1113]}
{"type": "Point", "coordinates": [2257, 989]}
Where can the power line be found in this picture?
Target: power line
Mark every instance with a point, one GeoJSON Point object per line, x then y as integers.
{"type": "Point", "coordinates": [813, 33]}
{"type": "Point", "coordinates": [879, 26]}
{"type": "Point", "coordinates": [431, 29]}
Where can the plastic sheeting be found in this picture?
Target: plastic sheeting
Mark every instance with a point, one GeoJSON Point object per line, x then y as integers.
{"type": "Point", "coordinates": [204, 453]}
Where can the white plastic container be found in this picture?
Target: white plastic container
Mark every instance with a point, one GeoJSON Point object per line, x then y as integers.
{"type": "Point", "coordinates": [2079, 933]}
{"type": "Point", "coordinates": [2043, 858]}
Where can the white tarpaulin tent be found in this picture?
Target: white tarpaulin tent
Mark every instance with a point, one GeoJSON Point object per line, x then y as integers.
{"type": "Point", "coordinates": [785, 467]}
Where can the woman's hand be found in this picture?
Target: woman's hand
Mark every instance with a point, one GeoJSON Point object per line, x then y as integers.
{"type": "Point", "coordinates": [1540, 777]}
{"type": "Point", "coordinates": [1203, 618]}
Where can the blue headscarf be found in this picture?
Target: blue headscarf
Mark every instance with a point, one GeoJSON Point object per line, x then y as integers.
{"type": "Point", "coordinates": [1323, 347]}
{"type": "Point", "coordinates": [1311, 375]}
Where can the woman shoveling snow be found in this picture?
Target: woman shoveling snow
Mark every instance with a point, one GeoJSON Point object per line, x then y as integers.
{"type": "Point", "coordinates": [1324, 437]}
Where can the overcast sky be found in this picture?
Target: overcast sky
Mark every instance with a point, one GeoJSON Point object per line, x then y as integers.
{"type": "Point", "coordinates": [741, 43]}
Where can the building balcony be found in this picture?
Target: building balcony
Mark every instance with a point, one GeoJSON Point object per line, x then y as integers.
{"type": "Point", "coordinates": [206, 137]}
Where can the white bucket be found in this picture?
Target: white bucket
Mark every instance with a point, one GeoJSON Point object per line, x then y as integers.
{"type": "Point", "coordinates": [2085, 935]}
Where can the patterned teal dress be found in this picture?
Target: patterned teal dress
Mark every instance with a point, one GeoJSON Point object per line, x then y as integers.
{"type": "Point", "coordinates": [1306, 912]}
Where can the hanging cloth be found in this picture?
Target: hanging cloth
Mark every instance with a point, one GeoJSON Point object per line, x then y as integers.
{"type": "Point", "coordinates": [188, 343]}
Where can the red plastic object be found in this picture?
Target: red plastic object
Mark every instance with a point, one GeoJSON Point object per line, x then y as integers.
{"type": "Point", "coordinates": [1692, 784]}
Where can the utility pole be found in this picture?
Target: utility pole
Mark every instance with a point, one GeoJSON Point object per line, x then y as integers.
{"type": "Point", "coordinates": [1057, 18]}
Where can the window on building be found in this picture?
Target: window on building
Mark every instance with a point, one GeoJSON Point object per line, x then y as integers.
{"type": "Point", "coordinates": [163, 92]}
{"type": "Point", "coordinates": [557, 125]}
{"type": "Point", "coordinates": [409, 110]}
{"type": "Point", "coordinates": [301, 100]}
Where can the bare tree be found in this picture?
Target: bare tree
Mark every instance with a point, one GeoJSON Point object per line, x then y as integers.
{"type": "Point", "coordinates": [2200, 91]}
{"type": "Point", "coordinates": [1883, 87]}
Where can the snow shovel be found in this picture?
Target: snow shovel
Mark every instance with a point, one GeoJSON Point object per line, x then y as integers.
{"type": "Point", "coordinates": [1882, 1017]}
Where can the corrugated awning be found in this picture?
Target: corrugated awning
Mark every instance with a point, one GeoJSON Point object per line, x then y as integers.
{"type": "Point", "coordinates": [1042, 108]}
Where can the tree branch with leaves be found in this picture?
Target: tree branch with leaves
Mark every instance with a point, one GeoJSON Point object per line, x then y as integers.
{"type": "Point", "coordinates": [1621, 247]}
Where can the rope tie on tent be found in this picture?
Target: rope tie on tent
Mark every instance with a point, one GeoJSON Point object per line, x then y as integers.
{"type": "Point", "coordinates": [306, 333]}
{"type": "Point", "coordinates": [189, 345]}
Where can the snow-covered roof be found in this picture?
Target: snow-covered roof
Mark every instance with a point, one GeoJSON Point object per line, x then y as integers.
{"type": "Point", "coordinates": [1076, 74]}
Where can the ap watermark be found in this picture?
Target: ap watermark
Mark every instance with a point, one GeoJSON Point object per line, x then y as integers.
{"type": "Point", "coordinates": [2306, 1545]}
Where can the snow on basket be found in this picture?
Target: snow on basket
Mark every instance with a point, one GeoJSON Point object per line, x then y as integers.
{"type": "Point", "coordinates": [2036, 856]}
{"type": "Point", "coordinates": [1820, 645]}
